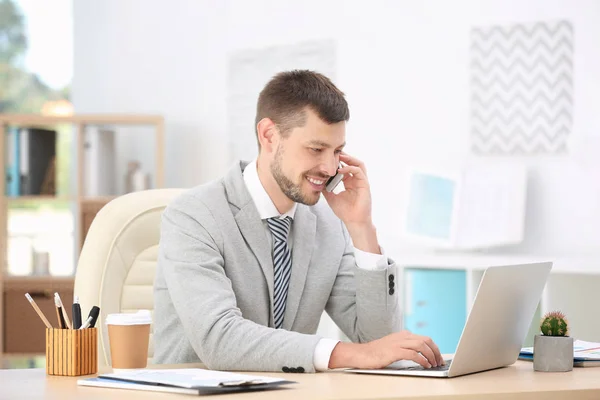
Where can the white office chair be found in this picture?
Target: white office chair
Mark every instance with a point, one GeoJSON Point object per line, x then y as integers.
{"type": "Point", "coordinates": [117, 264]}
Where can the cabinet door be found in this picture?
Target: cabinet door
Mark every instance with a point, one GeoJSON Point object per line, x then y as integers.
{"type": "Point", "coordinates": [435, 305]}
{"type": "Point", "coordinates": [24, 331]}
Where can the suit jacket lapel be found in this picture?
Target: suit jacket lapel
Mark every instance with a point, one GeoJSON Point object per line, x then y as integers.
{"type": "Point", "coordinates": [250, 224]}
{"type": "Point", "coordinates": [304, 228]}
{"type": "Point", "coordinates": [253, 231]}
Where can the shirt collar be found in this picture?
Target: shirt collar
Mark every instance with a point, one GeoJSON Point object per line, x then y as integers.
{"type": "Point", "coordinates": [264, 204]}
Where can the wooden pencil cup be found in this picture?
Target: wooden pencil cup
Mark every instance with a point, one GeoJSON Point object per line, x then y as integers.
{"type": "Point", "coordinates": [71, 352]}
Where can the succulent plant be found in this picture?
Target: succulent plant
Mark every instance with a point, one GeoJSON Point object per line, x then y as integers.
{"type": "Point", "coordinates": [554, 323]}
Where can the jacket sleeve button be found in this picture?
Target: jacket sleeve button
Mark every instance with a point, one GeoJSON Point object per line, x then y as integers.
{"type": "Point", "coordinates": [300, 369]}
{"type": "Point", "coordinates": [285, 369]}
{"type": "Point", "coordinates": [391, 292]}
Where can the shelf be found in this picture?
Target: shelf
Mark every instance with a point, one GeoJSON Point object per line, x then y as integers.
{"type": "Point", "coordinates": [12, 280]}
{"type": "Point", "coordinates": [50, 198]}
{"type": "Point", "coordinates": [40, 198]}
{"type": "Point", "coordinates": [81, 208]}
{"type": "Point", "coordinates": [89, 119]}
{"type": "Point", "coordinates": [36, 277]}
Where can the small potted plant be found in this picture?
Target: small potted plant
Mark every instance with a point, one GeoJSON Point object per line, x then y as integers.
{"type": "Point", "coordinates": [553, 349]}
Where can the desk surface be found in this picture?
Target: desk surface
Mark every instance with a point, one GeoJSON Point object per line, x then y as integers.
{"type": "Point", "coordinates": [518, 381]}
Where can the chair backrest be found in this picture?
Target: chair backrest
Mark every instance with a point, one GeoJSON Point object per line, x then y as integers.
{"type": "Point", "coordinates": [117, 265]}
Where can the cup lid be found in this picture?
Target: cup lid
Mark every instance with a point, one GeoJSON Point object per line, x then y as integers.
{"type": "Point", "coordinates": [142, 317]}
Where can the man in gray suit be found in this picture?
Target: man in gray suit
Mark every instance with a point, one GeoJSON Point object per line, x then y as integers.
{"type": "Point", "coordinates": [248, 263]}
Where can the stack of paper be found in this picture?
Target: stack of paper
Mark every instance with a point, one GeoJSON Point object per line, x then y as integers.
{"type": "Point", "coordinates": [585, 354]}
{"type": "Point", "coordinates": [186, 381]}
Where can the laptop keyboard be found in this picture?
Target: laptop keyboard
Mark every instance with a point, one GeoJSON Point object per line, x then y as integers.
{"type": "Point", "coordinates": [419, 368]}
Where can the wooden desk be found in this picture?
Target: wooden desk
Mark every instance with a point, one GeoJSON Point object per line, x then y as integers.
{"type": "Point", "coordinates": [516, 382]}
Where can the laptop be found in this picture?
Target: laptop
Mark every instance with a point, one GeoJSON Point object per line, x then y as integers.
{"type": "Point", "coordinates": [496, 327]}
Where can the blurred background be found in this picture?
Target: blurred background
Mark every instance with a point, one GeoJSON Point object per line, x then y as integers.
{"type": "Point", "coordinates": [478, 122]}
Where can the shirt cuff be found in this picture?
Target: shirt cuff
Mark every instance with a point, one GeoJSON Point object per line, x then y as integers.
{"type": "Point", "coordinates": [323, 353]}
{"type": "Point", "coordinates": [371, 261]}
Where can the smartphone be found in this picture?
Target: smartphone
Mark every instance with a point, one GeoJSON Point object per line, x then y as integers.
{"type": "Point", "coordinates": [334, 180]}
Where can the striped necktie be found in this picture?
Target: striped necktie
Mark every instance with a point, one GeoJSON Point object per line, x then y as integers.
{"type": "Point", "coordinates": [282, 265]}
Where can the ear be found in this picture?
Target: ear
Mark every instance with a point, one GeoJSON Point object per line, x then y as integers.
{"type": "Point", "coordinates": [268, 135]}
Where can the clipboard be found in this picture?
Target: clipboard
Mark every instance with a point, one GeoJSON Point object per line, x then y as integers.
{"type": "Point", "coordinates": [190, 381]}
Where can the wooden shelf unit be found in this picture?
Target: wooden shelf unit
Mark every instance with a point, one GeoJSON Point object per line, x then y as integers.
{"type": "Point", "coordinates": [86, 207]}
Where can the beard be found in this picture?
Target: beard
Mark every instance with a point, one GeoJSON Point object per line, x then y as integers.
{"type": "Point", "coordinates": [292, 190]}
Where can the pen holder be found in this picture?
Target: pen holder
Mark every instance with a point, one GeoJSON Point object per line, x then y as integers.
{"type": "Point", "coordinates": [71, 352]}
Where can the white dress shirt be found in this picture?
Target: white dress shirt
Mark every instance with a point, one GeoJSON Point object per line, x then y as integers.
{"type": "Point", "coordinates": [266, 209]}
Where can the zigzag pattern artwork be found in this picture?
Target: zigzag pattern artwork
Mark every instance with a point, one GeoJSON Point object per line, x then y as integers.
{"type": "Point", "coordinates": [521, 88]}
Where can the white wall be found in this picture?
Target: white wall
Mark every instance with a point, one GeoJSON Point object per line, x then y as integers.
{"type": "Point", "coordinates": [402, 64]}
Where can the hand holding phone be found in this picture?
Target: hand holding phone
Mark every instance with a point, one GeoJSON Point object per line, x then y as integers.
{"type": "Point", "coordinates": [334, 180]}
{"type": "Point", "coordinates": [353, 205]}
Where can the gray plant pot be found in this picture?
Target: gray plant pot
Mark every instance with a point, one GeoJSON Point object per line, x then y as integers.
{"type": "Point", "coordinates": [552, 353]}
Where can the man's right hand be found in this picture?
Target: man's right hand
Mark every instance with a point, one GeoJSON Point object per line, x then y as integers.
{"type": "Point", "coordinates": [382, 352]}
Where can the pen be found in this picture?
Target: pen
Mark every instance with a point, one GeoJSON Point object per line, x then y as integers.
{"type": "Point", "coordinates": [92, 317]}
{"type": "Point", "coordinates": [61, 320]}
{"type": "Point", "coordinates": [38, 311]}
{"type": "Point", "coordinates": [63, 311]}
{"type": "Point", "coordinates": [76, 313]}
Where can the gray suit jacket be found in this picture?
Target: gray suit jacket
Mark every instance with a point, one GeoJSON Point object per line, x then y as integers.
{"type": "Point", "coordinates": [213, 290]}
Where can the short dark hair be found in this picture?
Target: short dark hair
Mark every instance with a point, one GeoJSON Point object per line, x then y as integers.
{"type": "Point", "coordinates": [286, 96]}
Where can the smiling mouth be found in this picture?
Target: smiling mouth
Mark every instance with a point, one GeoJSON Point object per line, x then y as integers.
{"type": "Point", "coordinates": [318, 184]}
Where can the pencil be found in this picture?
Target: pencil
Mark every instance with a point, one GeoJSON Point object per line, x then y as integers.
{"type": "Point", "coordinates": [38, 311]}
{"type": "Point", "coordinates": [59, 316]}
{"type": "Point", "coordinates": [64, 312]}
